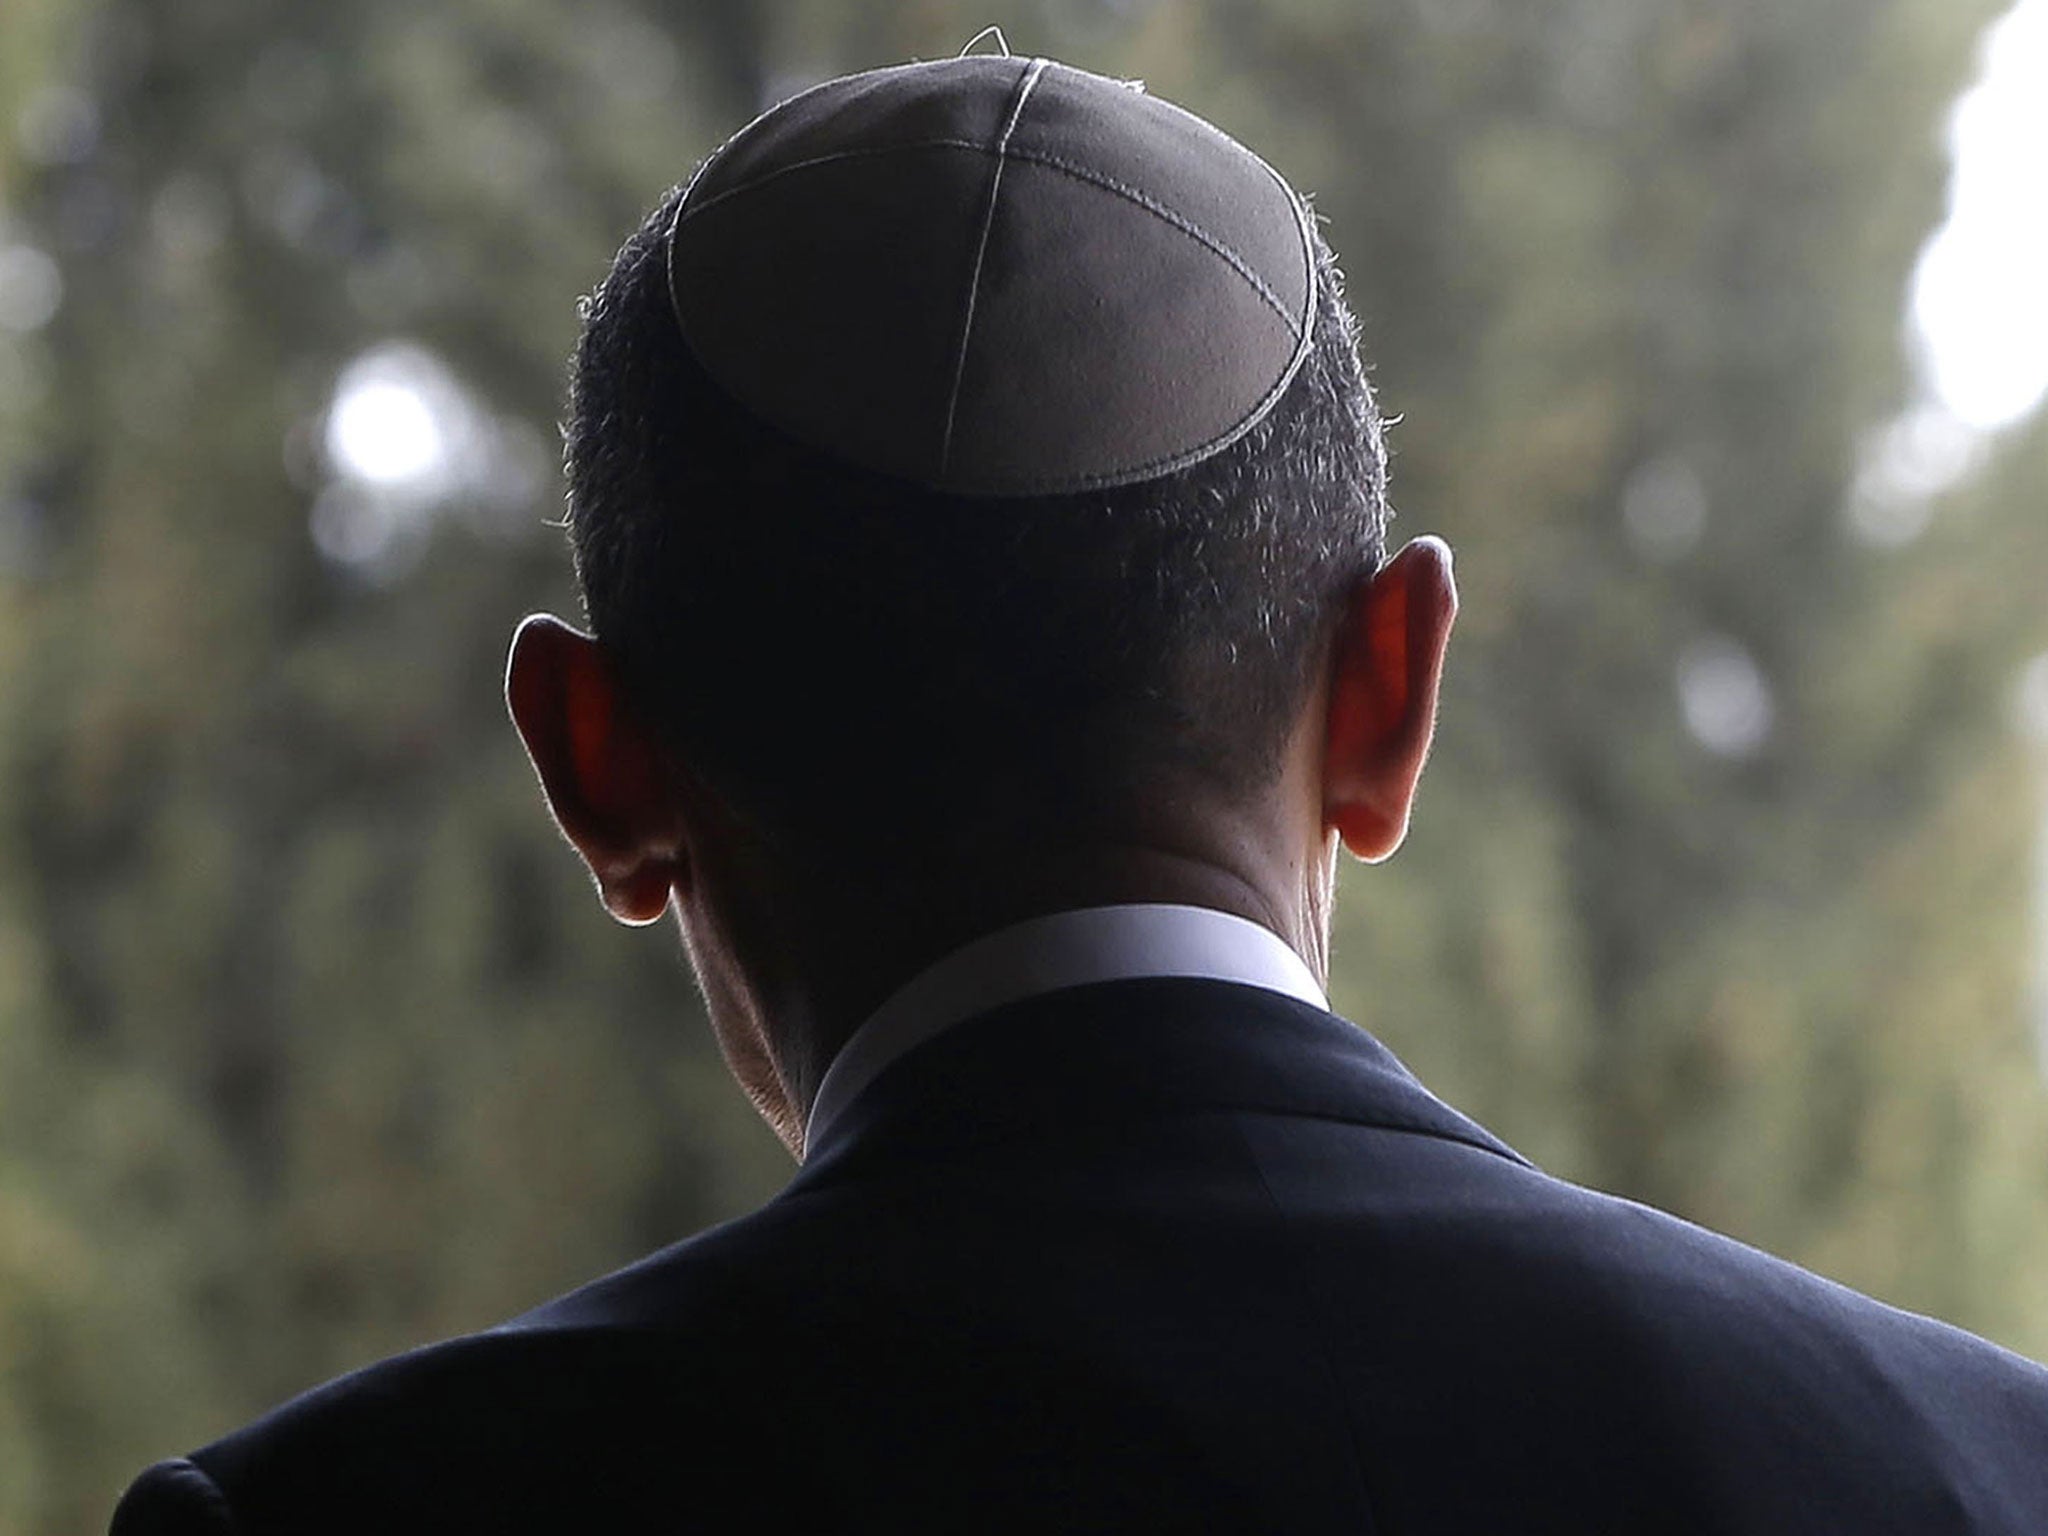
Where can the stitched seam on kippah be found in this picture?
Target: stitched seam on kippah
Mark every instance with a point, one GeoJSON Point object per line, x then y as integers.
{"type": "Point", "coordinates": [1167, 463]}
{"type": "Point", "coordinates": [1003, 151]}
{"type": "Point", "coordinates": [869, 152]}
{"type": "Point", "coordinates": [1180, 222]}
{"type": "Point", "coordinates": [988, 220]}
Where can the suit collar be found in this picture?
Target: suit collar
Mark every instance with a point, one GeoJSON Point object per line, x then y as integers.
{"type": "Point", "coordinates": [1124, 1050]}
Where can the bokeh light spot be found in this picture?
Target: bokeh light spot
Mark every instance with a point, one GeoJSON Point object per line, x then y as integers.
{"type": "Point", "coordinates": [383, 427]}
{"type": "Point", "coordinates": [31, 288]}
{"type": "Point", "coordinates": [1978, 300]}
{"type": "Point", "coordinates": [1725, 697]}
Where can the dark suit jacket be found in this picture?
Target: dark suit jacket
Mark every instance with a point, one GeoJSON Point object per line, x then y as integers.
{"type": "Point", "coordinates": [1163, 1255]}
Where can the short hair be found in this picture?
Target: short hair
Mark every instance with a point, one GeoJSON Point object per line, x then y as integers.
{"type": "Point", "coordinates": [848, 656]}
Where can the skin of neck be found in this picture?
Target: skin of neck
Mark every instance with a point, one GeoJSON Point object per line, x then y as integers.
{"type": "Point", "coordinates": [787, 978]}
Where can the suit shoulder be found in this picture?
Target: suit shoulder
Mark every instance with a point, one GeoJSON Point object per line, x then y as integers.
{"type": "Point", "coordinates": [1583, 1341]}
{"type": "Point", "coordinates": [173, 1498]}
{"type": "Point", "coordinates": [1665, 1284]}
{"type": "Point", "coordinates": [646, 1367]}
{"type": "Point", "coordinates": [512, 1430]}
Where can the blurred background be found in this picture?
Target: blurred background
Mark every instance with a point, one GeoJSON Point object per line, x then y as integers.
{"type": "Point", "coordinates": [1717, 332]}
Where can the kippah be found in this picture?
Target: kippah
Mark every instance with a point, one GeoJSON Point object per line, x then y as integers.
{"type": "Point", "coordinates": [994, 277]}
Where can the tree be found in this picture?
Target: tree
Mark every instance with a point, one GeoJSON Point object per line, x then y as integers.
{"type": "Point", "coordinates": [312, 1046]}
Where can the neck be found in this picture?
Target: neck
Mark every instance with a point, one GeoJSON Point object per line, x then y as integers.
{"type": "Point", "coordinates": [805, 961]}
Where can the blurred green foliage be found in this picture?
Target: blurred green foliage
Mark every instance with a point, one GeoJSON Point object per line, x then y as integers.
{"type": "Point", "coordinates": [313, 1045]}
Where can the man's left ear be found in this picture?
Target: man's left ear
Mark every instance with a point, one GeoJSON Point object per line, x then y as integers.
{"type": "Point", "coordinates": [1385, 668]}
{"type": "Point", "coordinates": [600, 769]}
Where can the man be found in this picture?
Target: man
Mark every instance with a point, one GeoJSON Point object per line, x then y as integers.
{"type": "Point", "coordinates": [980, 507]}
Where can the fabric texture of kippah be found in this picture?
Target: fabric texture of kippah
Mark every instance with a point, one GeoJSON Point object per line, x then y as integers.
{"type": "Point", "coordinates": [994, 277]}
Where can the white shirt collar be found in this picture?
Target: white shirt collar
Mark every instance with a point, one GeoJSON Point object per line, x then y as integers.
{"type": "Point", "coordinates": [1044, 954]}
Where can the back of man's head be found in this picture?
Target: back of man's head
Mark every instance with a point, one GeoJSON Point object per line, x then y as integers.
{"type": "Point", "coordinates": [878, 661]}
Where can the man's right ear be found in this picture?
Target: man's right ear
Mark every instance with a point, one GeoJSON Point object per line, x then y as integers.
{"type": "Point", "coordinates": [601, 770]}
